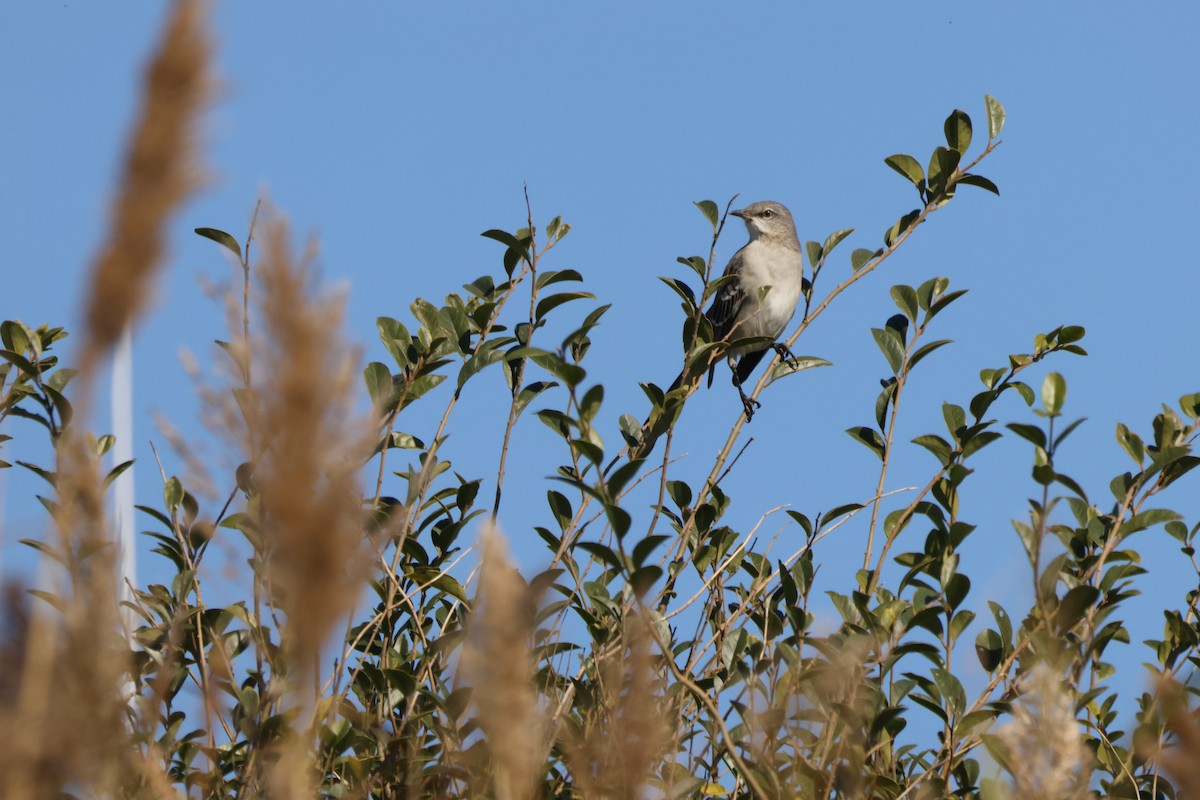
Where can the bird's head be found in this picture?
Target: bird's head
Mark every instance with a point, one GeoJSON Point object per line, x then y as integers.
{"type": "Point", "coordinates": [767, 219]}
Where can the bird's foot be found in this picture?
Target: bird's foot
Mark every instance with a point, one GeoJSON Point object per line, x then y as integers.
{"type": "Point", "coordinates": [749, 404]}
{"type": "Point", "coordinates": [785, 353]}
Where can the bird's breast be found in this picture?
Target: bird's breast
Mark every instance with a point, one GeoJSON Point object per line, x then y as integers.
{"type": "Point", "coordinates": [783, 270]}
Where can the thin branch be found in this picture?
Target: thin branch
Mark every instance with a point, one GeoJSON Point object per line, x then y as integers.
{"type": "Point", "coordinates": [519, 378]}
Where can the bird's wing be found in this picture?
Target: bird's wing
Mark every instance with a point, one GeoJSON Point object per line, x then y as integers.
{"type": "Point", "coordinates": [723, 312]}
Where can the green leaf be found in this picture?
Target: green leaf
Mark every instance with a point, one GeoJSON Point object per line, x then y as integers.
{"type": "Point", "coordinates": [942, 165]}
{"type": "Point", "coordinates": [907, 166]}
{"type": "Point", "coordinates": [905, 298]}
{"type": "Point", "coordinates": [619, 518]}
{"type": "Point", "coordinates": [834, 239]}
{"type": "Point", "coordinates": [968, 179]}
{"type": "Point", "coordinates": [802, 520]}
{"type": "Point", "coordinates": [834, 513]}
{"type": "Point", "coordinates": [1132, 443]}
{"type": "Point", "coordinates": [65, 412]}
{"type": "Point", "coordinates": [1177, 468]}
{"type": "Point", "coordinates": [890, 345]}
{"type": "Point", "coordinates": [631, 429]}
{"type": "Point", "coordinates": [936, 445]}
{"type": "Point", "coordinates": [871, 438]}
{"type": "Point", "coordinates": [989, 648]}
{"type": "Point", "coordinates": [1073, 606]}
{"type": "Point", "coordinates": [422, 386]}
{"type": "Point", "coordinates": [172, 494]}
{"type": "Point", "coordinates": [955, 417]}
{"type": "Point", "coordinates": [644, 578]}
{"type": "Point", "coordinates": [116, 471]}
{"type": "Point", "coordinates": [1146, 519]}
{"type": "Point", "coordinates": [1023, 390]}
{"type": "Point", "coordinates": [682, 289]}
{"type": "Point", "coordinates": [1030, 433]}
{"type": "Point", "coordinates": [958, 131]}
{"type": "Point", "coordinates": [485, 286]}
{"type": "Point", "coordinates": [901, 225]}
{"type": "Point", "coordinates": [517, 248]}
{"type": "Point", "coordinates": [560, 506]}
{"type": "Point", "coordinates": [604, 554]}
{"type": "Point", "coordinates": [1190, 405]}
{"type": "Point", "coordinates": [434, 577]}
{"type": "Point", "coordinates": [897, 521]}
{"type": "Point", "coordinates": [814, 253]}
{"type": "Point", "coordinates": [19, 361]}
{"type": "Point", "coordinates": [1054, 393]}
{"type": "Point", "coordinates": [547, 304]}
{"type": "Point", "coordinates": [379, 382]}
{"type": "Point", "coordinates": [621, 476]}
{"type": "Point", "coordinates": [18, 338]}
{"type": "Point", "coordinates": [696, 263]}
{"type": "Point", "coordinates": [995, 115]}
{"type": "Point", "coordinates": [557, 276]}
{"type": "Point", "coordinates": [1065, 432]}
{"type": "Point", "coordinates": [589, 405]}
{"type": "Point", "coordinates": [222, 238]}
{"type": "Point", "coordinates": [945, 300]}
{"type": "Point", "coordinates": [59, 380]}
{"type": "Point", "coordinates": [1177, 530]}
{"type": "Point", "coordinates": [643, 549]}
{"type": "Point", "coordinates": [570, 374]}
{"type": "Point", "coordinates": [951, 690]}
{"type": "Point", "coordinates": [959, 623]}
{"type": "Point", "coordinates": [531, 391]}
{"type": "Point", "coordinates": [405, 441]}
{"type": "Point", "coordinates": [861, 257]}
{"type": "Point", "coordinates": [557, 229]}
{"type": "Point", "coordinates": [710, 211]}
{"type": "Point", "coordinates": [505, 238]}
{"type": "Point", "coordinates": [1044, 474]}
{"type": "Point", "coordinates": [1003, 622]}
{"type": "Point", "coordinates": [925, 350]}
{"type": "Point", "coordinates": [791, 366]}
{"type": "Point", "coordinates": [1071, 333]}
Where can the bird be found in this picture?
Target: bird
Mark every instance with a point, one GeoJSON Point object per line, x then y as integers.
{"type": "Point", "coordinates": [760, 300]}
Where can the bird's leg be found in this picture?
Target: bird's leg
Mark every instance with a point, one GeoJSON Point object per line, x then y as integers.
{"type": "Point", "coordinates": [748, 403]}
{"type": "Point", "coordinates": [785, 353]}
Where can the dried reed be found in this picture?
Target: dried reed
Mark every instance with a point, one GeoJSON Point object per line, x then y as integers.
{"type": "Point", "coordinates": [627, 733]}
{"type": "Point", "coordinates": [1182, 758]}
{"type": "Point", "coordinates": [499, 665]}
{"type": "Point", "coordinates": [1049, 757]}
{"type": "Point", "coordinates": [306, 445]}
{"type": "Point", "coordinates": [159, 173]}
{"type": "Point", "coordinates": [67, 704]}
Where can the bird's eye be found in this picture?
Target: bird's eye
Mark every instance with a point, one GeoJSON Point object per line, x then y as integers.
{"type": "Point", "coordinates": [768, 213]}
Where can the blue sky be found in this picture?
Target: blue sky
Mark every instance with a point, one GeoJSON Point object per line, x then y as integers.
{"type": "Point", "coordinates": [396, 133]}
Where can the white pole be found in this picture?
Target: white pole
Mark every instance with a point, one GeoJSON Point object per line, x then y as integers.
{"type": "Point", "coordinates": [123, 495]}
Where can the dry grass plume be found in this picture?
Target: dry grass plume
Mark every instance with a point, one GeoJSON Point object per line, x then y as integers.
{"type": "Point", "coordinates": [159, 173]}
{"type": "Point", "coordinates": [306, 445]}
{"type": "Point", "coordinates": [624, 736]}
{"type": "Point", "coordinates": [498, 663]}
{"type": "Point", "coordinates": [1049, 756]}
{"type": "Point", "coordinates": [66, 698]}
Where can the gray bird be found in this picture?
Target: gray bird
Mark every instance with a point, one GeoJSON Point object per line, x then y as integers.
{"type": "Point", "coordinates": [767, 283]}
{"type": "Point", "coordinates": [746, 307]}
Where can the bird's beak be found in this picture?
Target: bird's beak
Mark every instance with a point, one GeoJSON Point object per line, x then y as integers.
{"type": "Point", "coordinates": [739, 213]}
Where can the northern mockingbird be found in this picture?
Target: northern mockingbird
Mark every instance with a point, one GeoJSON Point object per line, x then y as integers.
{"type": "Point", "coordinates": [761, 299]}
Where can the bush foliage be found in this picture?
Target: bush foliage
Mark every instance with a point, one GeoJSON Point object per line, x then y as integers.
{"type": "Point", "coordinates": [383, 645]}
